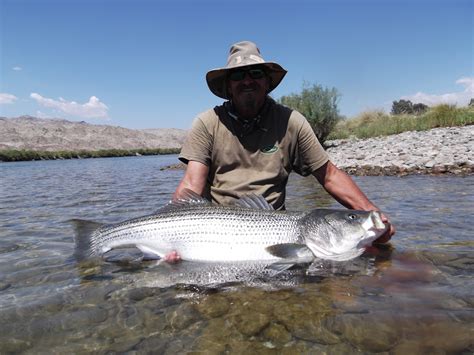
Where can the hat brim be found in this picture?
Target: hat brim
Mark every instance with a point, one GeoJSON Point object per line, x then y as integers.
{"type": "Point", "coordinates": [216, 78]}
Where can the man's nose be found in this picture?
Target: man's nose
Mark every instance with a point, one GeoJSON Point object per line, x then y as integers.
{"type": "Point", "coordinates": [247, 79]}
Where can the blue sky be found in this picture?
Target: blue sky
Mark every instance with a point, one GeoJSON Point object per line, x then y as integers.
{"type": "Point", "coordinates": [142, 64]}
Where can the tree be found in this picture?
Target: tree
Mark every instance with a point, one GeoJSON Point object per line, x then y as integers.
{"type": "Point", "coordinates": [402, 107]}
{"type": "Point", "coordinates": [419, 108]}
{"type": "Point", "coordinates": [318, 105]}
{"type": "Point", "coordinates": [471, 103]}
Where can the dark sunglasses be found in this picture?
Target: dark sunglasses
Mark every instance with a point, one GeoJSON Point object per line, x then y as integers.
{"type": "Point", "coordinates": [238, 75]}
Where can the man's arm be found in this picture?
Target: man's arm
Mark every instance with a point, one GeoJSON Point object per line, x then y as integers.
{"type": "Point", "coordinates": [341, 186]}
{"type": "Point", "coordinates": [194, 179]}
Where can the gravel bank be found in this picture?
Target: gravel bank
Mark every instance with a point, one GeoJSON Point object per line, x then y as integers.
{"type": "Point", "coordinates": [437, 151]}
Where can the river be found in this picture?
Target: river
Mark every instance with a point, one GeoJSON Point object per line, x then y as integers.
{"type": "Point", "coordinates": [412, 296]}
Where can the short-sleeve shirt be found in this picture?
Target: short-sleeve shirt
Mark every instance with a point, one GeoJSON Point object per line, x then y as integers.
{"type": "Point", "coordinates": [257, 161]}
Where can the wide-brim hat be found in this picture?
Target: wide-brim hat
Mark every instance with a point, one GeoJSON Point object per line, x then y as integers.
{"type": "Point", "coordinates": [243, 54]}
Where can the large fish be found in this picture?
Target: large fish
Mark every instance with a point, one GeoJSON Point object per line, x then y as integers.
{"type": "Point", "coordinates": [250, 230]}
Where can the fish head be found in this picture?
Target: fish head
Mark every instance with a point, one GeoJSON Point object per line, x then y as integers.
{"type": "Point", "coordinates": [340, 234]}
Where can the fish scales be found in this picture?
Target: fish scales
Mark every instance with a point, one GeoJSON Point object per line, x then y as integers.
{"type": "Point", "coordinates": [195, 230]}
{"type": "Point", "coordinates": [200, 231]}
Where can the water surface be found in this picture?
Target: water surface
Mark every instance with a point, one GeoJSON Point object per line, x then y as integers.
{"type": "Point", "coordinates": [414, 296]}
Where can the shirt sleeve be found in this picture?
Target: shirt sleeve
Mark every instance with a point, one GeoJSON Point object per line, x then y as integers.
{"type": "Point", "coordinates": [198, 144]}
{"type": "Point", "coordinates": [310, 155]}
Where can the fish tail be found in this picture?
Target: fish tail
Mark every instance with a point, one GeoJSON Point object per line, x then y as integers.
{"type": "Point", "coordinates": [84, 247]}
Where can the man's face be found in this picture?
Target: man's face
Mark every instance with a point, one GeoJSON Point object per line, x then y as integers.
{"type": "Point", "coordinates": [248, 87]}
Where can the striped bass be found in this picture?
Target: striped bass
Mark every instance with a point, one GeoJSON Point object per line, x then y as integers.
{"type": "Point", "coordinates": [251, 230]}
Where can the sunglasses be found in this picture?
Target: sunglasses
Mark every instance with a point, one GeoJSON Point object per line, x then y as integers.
{"type": "Point", "coordinates": [238, 75]}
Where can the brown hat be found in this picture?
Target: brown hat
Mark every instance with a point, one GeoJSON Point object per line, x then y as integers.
{"type": "Point", "coordinates": [242, 54]}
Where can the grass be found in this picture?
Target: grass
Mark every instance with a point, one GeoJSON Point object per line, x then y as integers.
{"type": "Point", "coordinates": [23, 155]}
{"type": "Point", "coordinates": [378, 123]}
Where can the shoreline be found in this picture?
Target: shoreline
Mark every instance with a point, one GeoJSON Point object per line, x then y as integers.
{"type": "Point", "coordinates": [439, 151]}
{"type": "Point", "coordinates": [13, 155]}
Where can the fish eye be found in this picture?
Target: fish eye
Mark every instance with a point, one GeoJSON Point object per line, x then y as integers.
{"type": "Point", "coordinates": [352, 216]}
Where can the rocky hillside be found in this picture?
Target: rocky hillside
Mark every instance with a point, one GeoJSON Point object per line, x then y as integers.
{"type": "Point", "coordinates": [33, 133]}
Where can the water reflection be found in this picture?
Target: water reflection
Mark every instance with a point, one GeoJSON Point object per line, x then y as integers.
{"type": "Point", "coordinates": [414, 296]}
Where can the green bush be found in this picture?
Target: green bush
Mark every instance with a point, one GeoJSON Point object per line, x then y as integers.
{"type": "Point", "coordinates": [318, 105]}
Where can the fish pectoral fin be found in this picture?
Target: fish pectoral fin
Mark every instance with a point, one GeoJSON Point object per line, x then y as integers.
{"type": "Point", "coordinates": [291, 251]}
{"type": "Point", "coordinates": [149, 253]}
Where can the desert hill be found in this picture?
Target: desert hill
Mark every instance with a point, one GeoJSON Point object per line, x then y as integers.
{"type": "Point", "coordinates": [31, 133]}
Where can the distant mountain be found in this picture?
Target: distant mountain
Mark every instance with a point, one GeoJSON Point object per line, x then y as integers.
{"type": "Point", "coordinates": [33, 133]}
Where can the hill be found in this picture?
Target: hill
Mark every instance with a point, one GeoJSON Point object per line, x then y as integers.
{"type": "Point", "coordinates": [31, 133]}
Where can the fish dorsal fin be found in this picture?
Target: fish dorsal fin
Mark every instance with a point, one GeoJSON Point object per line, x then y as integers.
{"type": "Point", "coordinates": [254, 201]}
{"type": "Point", "coordinates": [187, 198]}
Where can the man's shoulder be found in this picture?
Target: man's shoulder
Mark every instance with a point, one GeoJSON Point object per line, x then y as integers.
{"type": "Point", "coordinates": [295, 120]}
{"type": "Point", "coordinates": [209, 114]}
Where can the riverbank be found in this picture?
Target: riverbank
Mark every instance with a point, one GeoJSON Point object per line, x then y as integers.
{"type": "Point", "coordinates": [437, 151]}
{"type": "Point", "coordinates": [11, 155]}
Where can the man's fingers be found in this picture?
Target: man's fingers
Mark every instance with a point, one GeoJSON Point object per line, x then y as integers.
{"type": "Point", "coordinates": [172, 257]}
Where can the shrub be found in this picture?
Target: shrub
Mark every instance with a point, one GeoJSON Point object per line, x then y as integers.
{"type": "Point", "coordinates": [318, 105]}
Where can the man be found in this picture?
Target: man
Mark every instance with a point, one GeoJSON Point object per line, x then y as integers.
{"type": "Point", "coordinates": [251, 143]}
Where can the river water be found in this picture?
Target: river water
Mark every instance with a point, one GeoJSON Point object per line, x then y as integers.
{"type": "Point", "coordinates": [413, 296]}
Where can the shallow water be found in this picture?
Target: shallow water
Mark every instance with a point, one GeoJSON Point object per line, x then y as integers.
{"type": "Point", "coordinates": [415, 296]}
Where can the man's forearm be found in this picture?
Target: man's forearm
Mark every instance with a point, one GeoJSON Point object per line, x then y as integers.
{"type": "Point", "coordinates": [341, 186]}
{"type": "Point", "coordinates": [194, 179]}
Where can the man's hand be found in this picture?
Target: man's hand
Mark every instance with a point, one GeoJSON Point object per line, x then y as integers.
{"type": "Point", "coordinates": [384, 238]}
{"type": "Point", "coordinates": [172, 257]}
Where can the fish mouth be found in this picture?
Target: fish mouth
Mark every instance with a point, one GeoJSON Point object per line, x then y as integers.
{"type": "Point", "coordinates": [378, 224]}
{"type": "Point", "coordinates": [374, 227]}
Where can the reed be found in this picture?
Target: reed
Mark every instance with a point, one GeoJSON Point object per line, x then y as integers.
{"type": "Point", "coordinates": [378, 123]}
{"type": "Point", "coordinates": [25, 155]}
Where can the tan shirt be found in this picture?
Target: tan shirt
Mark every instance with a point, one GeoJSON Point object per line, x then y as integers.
{"type": "Point", "coordinates": [258, 161]}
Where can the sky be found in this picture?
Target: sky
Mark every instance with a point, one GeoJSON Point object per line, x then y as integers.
{"type": "Point", "coordinates": [142, 63]}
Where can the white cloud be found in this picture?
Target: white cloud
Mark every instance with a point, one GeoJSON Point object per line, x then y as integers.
{"type": "Point", "coordinates": [461, 98]}
{"type": "Point", "coordinates": [7, 98]}
{"type": "Point", "coordinates": [91, 109]}
{"type": "Point", "coordinates": [17, 68]}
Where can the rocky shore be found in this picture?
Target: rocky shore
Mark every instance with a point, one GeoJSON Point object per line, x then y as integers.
{"type": "Point", "coordinates": [437, 151]}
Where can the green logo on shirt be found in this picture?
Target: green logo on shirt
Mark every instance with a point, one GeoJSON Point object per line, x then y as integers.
{"type": "Point", "coordinates": [269, 149]}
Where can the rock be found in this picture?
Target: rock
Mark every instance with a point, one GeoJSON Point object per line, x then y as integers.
{"type": "Point", "coordinates": [139, 294]}
{"type": "Point", "coordinates": [182, 316]}
{"type": "Point", "coordinates": [304, 318]}
{"type": "Point", "coordinates": [277, 334]}
{"type": "Point", "coordinates": [213, 306]}
{"type": "Point", "coordinates": [366, 332]}
{"type": "Point", "coordinates": [250, 323]}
